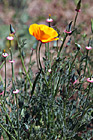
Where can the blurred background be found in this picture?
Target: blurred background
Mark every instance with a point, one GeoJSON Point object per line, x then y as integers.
{"type": "Point", "coordinates": [22, 13]}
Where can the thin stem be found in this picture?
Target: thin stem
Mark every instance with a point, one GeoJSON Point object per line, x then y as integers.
{"type": "Point", "coordinates": [4, 62]}
{"type": "Point", "coordinates": [70, 71]}
{"type": "Point", "coordinates": [22, 60]}
{"type": "Point", "coordinates": [30, 60]}
{"type": "Point", "coordinates": [49, 55]}
{"type": "Point", "coordinates": [5, 78]}
{"type": "Point", "coordinates": [73, 62]}
{"type": "Point", "coordinates": [25, 69]}
{"type": "Point", "coordinates": [39, 56]}
{"type": "Point", "coordinates": [86, 63]}
{"type": "Point", "coordinates": [7, 131]}
{"type": "Point", "coordinates": [12, 66]}
{"type": "Point", "coordinates": [17, 116]}
{"type": "Point", "coordinates": [62, 45]}
{"type": "Point", "coordinates": [75, 19]}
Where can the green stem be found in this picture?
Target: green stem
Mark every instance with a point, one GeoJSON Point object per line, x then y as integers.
{"type": "Point", "coordinates": [5, 78]}
{"type": "Point", "coordinates": [4, 62]}
{"type": "Point", "coordinates": [25, 69]}
{"type": "Point", "coordinates": [86, 63]}
{"type": "Point", "coordinates": [30, 61]}
{"type": "Point", "coordinates": [39, 56]}
{"type": "Point", "coordinates": [75, 19]}
{"type": "Point", "coordinates": [7, 131]}
{"type": "Point", "coordinates": [35, 82]}
{"type": "Point", "coordinates": [49, 55]}
{"type": "Point", "coordinates": [73, 63]}
{"type": "Point", "coordinates": [62, 45]}
{"type": "Point", "coordinates": [70, 72]}
{"type": "Point", "coordinates": [17, 117]}
{"type": "Point", "coordinates": [12, 66]}
{"type": "Point", "coordinates": [22, 60]}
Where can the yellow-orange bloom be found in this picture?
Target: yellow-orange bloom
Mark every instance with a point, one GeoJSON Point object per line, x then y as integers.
{"type": "Point", "coordinates": [43, 33]}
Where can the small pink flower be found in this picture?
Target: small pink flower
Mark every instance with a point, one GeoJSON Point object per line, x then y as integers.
{"type": "Point", "coordinates": [5, 54]}
{"type": "Point", "coordinates": [11, 61]}
{"type": "Point", "coordinates": [78, 10]}
{"type": "Point", "coordinates": [2, 93]}
{"type": "Point", "coordinates": [16, 91]}
{"type": "Point", "coordinates": [90, 80]}
{"type": "Point", "coordinates": [10, 38]}
{"type": "Point", "coordinates": [49, 70]}
{"type": "Point", "coordinates": [88, 47]}
{"type": "Point", "coordinates": [49, 20]}
{"type": "Point", "coordinates": [74, 82]}
{"type": "Point", "coordinates": [68, 32]}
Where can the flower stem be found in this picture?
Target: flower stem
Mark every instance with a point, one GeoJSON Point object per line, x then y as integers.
{"type": "Point", "coordinates": [73, 62]}
{"type": "Point", "coordinates": [5, 78]}
{"type": "Point", "coordinates": [22, 60]}
{"type": "Point", "coordinates": [39, 56]}
{"type": "Point", "coordinates": [70, 71]}
{"type": "Point", "coordinates": [25, 69]}
{"type": "Point", "coordinates": [86, 63]}
{"type": "Point", "coordinates": [17, 117]}
{"type": "Point", "coordinates": [12, 66]}
{"type": "Point", "coordinates": [75, 19]}
{"type": "Point", "coordinates": [49, 55]}
{"type": "Point", "coordinates": [62, 45]}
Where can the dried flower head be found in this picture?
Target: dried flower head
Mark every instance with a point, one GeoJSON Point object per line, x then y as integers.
{"type": "Point", "coordinates": [88, 47]}
{"type": "Point", "coordinates": [11, 61]}
{"type": "Point", "coordinates": [16, 91]}
{"type": "Point", "coordinates": [49, 70]}
{"type": "Point", "coordinates": [10, 37]}
{"type": "Point", "coordinates": [5, 54]}
{"type": "Point", "coordinates": [90, 80]}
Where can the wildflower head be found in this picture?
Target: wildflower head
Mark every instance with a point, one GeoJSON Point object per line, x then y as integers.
{"type": "Point", "coordinates": [10, 37]}
{"type": "Point", "coordinates": [68, 29]}
{"type": "Point", "coordinates": [49, 70]}
{"type": "Point", "coordinates": [11, 61]}
{"type": "Point", "coordinates": [43, 33]}
{"type": "Point", "coordinates": [5, 54]}
{"type": "Point", "coordinates": [90, 80]}
{"type": "Point", "coordinates": [68, 32]}
{"type": "Point", "coordinates": [88, 47]}
{"type": "Point", "coordinates": [49, 19]}
{"type": "Point", "coordinates": [16, 91]}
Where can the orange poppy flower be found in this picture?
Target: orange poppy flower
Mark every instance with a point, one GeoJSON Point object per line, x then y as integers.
{"type": "Point", "coordinates": [43, 33]}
